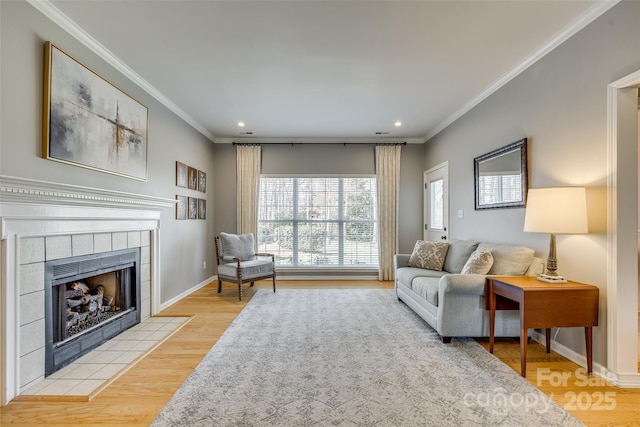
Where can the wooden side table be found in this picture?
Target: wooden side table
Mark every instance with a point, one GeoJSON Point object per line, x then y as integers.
{"type": "Point", "coordinates": [544, 305]}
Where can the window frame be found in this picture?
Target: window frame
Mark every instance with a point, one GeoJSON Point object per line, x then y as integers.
{"type": "Point", "coordinates": [341, 222]}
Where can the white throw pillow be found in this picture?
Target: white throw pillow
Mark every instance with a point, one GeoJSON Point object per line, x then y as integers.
{"type": "Point", "coordinates": [428, 255]}
{"type": "Point", "coordinates": [479, 262]}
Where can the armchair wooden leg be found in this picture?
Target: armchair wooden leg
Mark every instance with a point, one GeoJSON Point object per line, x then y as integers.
{"type": "Point", "coordinates": [239, 292]}
{"type": "Point", "coordinates": [274, 284]}
{"type": "Point", "coordinates": [251, 284]}
{"type": "Point", "coordinates": [219, 286]}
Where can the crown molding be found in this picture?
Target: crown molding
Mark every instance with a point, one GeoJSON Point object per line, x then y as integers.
{"type": "Point", "coordinates": [319, 140]}
{"type": "Point", "coordinates": [567, 32]}
{"type": "Point", "coordinates": [30, 191]}
{"type": "Point", "coordinates": [64, 22]}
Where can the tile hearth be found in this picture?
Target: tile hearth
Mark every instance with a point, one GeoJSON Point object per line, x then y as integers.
{"type": "Point", "coordinates": [88, 375]}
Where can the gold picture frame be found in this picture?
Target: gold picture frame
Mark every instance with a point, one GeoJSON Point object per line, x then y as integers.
{"type": "Point", "coordinates": [202, 181]}
{"type": "Point", "coordinates": [202, 209]}
{"type": "Point", "coordinates": [192, 208]}
{"type": "Point", "coordinates": [193, 178]}
{"type": "Point", "coordinates": [89, 122]}
{"type": "Point", "coordinates": [181, 207]}
{"type": "Point", "coordinates": [181, 174]}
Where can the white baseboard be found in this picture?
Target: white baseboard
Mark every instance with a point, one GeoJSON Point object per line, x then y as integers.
{"type": "Point", "coordinates": [300, 277]}
{"type": "Point", "coordinates": [188, 292]}
{"type": "Point", "coordinates": [623, 381]}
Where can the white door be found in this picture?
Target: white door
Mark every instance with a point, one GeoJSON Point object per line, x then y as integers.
{"type": "Point", "coordinates": [436, 203]}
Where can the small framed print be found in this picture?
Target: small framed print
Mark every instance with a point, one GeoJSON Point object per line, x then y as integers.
{"type": "Point", "coordinates": [181, 207]}
{"type": "Point", "coordinates": [193, 208]}
{"type": "Point", "coordinates": [181, 174]}
{"type": "Point", "coordinates": [202, 209]}
{"type": "Point", "coordinates": [202, 181]}
{"type": "Point", "coordinates": [193, 178]}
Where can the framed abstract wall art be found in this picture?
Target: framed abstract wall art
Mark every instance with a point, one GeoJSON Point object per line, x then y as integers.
{"type": "Point", "coordinates": [181, 207]}
{"type": "Point", "coordinates": [88, 122]}
{"type": "Point", "coordinates": [193, 178]}
{"type": "Point", "coordinates": [202, 209]}
{"type": "Point", "coordinates": [202, 181]}
{"type": "Point", "coordinates": [181, 174]}
{"type": "Point", "coordinates": [193, 208]}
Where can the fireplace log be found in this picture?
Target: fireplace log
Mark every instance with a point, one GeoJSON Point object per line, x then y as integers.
{"type": "Point", "coordinates": [73, 293]}
{"type": "Point", "coordinates": [74, 302]}
{"type": "Point", "coordinates": [72, 319]}
{"type": "Point", "coordinates": [88, 299]}
{"type": "Point", "coordinates": [80, 286]}
{"type": "Point", "coordinates": [91, 303]}
{"type": "Point", "coordinates": [93, 308]}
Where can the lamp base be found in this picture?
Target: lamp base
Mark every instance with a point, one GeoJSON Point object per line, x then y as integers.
{"type": "Point", "coordinates": [551, 279]}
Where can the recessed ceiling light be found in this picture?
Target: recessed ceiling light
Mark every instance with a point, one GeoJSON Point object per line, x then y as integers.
{"type": "Point", "coordinates": [398, 123]}
{"type": "Point", "coordinates": [241, 124]}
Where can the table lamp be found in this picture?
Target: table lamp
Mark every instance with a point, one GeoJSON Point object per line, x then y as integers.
{"type": "Point", "coordinates": [559, 210]}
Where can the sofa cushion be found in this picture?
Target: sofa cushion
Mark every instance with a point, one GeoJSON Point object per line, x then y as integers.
{"type": "Point", "coordinates": [509, 260]}
{"type": "Point", "coordinates": [405, 275]}
{"type": "Point", "coordinates": [429, 255]}
{"type": "Point", "coordinates": [479, 262]}
{"type": "Point", "coordinates": [427, 288]}
{"type": "Point", "coordinates": [536, 268]}
{"type": "Point", "coordinates": [458, 253]}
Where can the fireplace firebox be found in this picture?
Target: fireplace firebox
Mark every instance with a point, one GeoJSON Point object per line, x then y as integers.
{"type": "Point", "coordinates": [89, 300]}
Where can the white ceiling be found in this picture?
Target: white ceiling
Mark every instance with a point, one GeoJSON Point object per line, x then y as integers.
{"type": "Point", "coordinates": [324, 69]}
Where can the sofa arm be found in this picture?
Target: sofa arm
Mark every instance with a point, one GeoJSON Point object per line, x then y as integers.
{"type": "Point", "coordinates": [401, 260]}
{"type": "Point", "coordinates": [470, 284]}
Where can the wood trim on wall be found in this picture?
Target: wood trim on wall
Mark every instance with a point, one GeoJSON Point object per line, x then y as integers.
{"type": "Point", "coordinates": [622, 264]}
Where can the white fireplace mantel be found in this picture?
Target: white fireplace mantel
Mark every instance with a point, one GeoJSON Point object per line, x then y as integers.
{"type": "Point", "coordinates": [38, 208]}
{"type": "Point", "coordinates": [24, 203]}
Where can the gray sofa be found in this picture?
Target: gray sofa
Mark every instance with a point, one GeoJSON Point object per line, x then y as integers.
{"type": "Point", "coordinates": [453, 303]}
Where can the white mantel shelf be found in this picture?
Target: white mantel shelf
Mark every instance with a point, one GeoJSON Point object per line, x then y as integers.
{"type": "Point", "coordinates": [31, 191]}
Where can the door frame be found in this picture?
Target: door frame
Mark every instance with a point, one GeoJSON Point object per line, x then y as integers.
{"type": "Point", "coordinates": [425, 198]}
{"type": "Point", "coordinates": [622, 242]}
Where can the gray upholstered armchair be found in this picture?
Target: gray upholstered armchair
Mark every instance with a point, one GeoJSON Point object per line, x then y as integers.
{"type": "Point", "coordinates": [239, 263]}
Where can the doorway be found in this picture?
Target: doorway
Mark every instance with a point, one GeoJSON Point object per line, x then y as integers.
{"type": "Point", "coordinates": [622, 236]}
{"type": "Point", "coordinates": [436, 203]}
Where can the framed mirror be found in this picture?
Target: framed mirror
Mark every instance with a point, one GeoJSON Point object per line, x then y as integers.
{"type": "Point", "coordinates": [501, 177]}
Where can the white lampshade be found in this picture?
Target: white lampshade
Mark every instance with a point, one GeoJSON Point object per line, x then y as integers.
{"type": "Point", "coordinates": [560, 210]}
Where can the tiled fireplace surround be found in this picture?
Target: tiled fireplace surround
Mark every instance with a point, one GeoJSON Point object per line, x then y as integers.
{"type": "Point", "coordinates": [34, 251]}
{"type": "Point", "coordinates": [41, 221]}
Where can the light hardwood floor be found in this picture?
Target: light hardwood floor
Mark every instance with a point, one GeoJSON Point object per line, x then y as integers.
{"type": "Point", "coordinates": [137, 397]}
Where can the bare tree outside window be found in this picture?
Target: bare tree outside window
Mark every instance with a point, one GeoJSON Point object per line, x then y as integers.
{"type": "Point", "coordinates": [318, 221]}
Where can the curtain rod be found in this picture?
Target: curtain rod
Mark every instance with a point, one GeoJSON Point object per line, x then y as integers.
{"type": "Point", "coordinates": [319, 143]}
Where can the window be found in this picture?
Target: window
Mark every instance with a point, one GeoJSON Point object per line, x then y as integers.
{"type": "Point", "coordinates": [436, 213]}
{"type": "Point", "coordinates": [500, 188]}
{"type": "Point", "coordinates": [313, 222]}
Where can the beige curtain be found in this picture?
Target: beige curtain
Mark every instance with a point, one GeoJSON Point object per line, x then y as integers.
{"type": "Point", "coordinates": [247, 186]}
{"type": "Point", "coordinates": [388, 180]}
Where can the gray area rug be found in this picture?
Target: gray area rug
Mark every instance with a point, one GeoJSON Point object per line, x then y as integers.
{"type": "Point", "coordinates": [350, 358]}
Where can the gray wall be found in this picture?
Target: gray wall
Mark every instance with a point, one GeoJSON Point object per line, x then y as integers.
{"type": "Point", "coordinates": [315, 159]}
{"type": "Point", "coordinates": [185, 244]}
{"type": "Point", "coordinates": [560, 103]}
